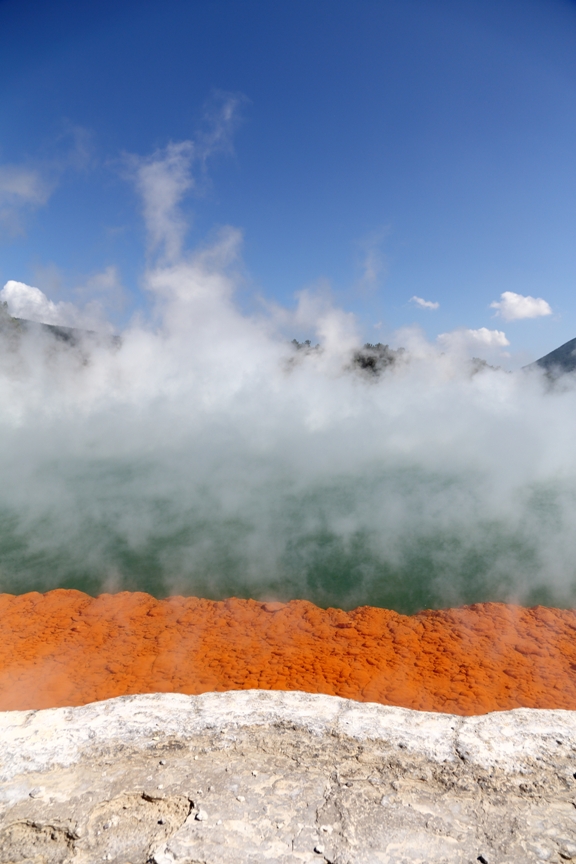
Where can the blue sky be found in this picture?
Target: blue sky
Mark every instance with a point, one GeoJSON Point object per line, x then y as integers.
{"type": "Point", "coordinates": [383, 150]}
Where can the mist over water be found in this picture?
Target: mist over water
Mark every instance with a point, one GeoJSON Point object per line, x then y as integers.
{"type": "Point", "coordinates": [201, 452]}
{"type": "Point", "coordinates": [205, 454]}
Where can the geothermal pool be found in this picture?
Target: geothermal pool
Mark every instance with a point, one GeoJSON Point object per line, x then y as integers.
{"type": "Point", "coordinates": [210, 456]}
{"type": "Point", "coordinates": [202, 454]}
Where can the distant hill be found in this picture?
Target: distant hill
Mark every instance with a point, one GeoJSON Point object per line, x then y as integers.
{"type": "Point", "coordinates": [558, 362]}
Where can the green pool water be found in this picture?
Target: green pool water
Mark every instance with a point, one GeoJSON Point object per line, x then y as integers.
{"type": "Point", "coordinates": [404, 540]}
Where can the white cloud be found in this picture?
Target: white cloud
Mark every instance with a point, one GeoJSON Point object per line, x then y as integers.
{"type": "Point", "coordinates": [25, 301]}
{"type": "Point", "coordinates": [513, 307]}
{"type": "Point", "coordinates": [463, 339]}
{"type": "Point", "coordinates": [28, 302]}
{"type": "Point", "coordinates": [484, 336]}
{"type": "Point", "coordinates": [424, 304]}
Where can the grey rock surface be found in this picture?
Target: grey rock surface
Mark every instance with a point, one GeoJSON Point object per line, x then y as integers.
{"type": "Point", "coordinates": [257, 776]}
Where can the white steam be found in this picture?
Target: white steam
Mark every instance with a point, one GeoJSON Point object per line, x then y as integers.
{"type": "Point", "coordinates": [209, 454]}
{"type": "Point", "coordinates": [163, 180]}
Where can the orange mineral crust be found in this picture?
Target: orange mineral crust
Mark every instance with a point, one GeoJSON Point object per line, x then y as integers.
{"type": "Point", "coordinates": [66, 648]}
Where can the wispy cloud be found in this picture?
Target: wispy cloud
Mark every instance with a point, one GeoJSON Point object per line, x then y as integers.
{"type": "Point", "coordinates": [21, 189]}
{"type": "Point", "coordinates": [372, 259]}
{"type": "Point", "coordinates": [164, 178]}
{"type": "Point", "coordinates": [222, 116]}
{"type": "Point", "coordinates": [77, 149]}
{"type": "Point", "coordinates": [424, 304]}
{"type": "Point", "coordinates": [514, 307]}
{"type": "Point", "coordinates": [27, 186]}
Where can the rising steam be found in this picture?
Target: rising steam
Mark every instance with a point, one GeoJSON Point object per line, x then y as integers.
{"type": "Point", "coordinates": [206, 453]}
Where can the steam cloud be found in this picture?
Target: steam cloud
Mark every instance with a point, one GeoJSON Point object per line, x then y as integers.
{"type": "Point", "coordinates": [208, 454]}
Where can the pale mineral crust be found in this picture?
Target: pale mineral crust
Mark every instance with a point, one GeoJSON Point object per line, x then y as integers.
{"type": "Point", "coordinates": [260, 776]}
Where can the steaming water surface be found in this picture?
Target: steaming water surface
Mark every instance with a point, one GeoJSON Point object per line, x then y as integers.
{"type": "Point", "coordinates": [206, 455]}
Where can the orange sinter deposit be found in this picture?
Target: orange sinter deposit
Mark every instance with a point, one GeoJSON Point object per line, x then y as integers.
{"type": "Point", "coordinates": [66, 648]}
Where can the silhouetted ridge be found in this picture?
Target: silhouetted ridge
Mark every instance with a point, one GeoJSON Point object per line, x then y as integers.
{"type": "Point", "coordinates": [560, 361]}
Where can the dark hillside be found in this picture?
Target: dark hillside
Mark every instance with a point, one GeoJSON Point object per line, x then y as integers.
{"type": "Point", "coordinates": [558, 362]}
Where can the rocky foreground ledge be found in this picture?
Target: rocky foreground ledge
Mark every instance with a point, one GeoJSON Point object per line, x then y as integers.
{"type": "Point", "coordinates": [257, 776]}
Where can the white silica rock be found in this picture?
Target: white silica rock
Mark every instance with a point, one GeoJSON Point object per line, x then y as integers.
{"type": "Point", "coordinates": [285, 777]}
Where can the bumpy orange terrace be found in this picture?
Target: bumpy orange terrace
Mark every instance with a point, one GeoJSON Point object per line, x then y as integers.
{"type": "Point", "coordinates": [66, 648]}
